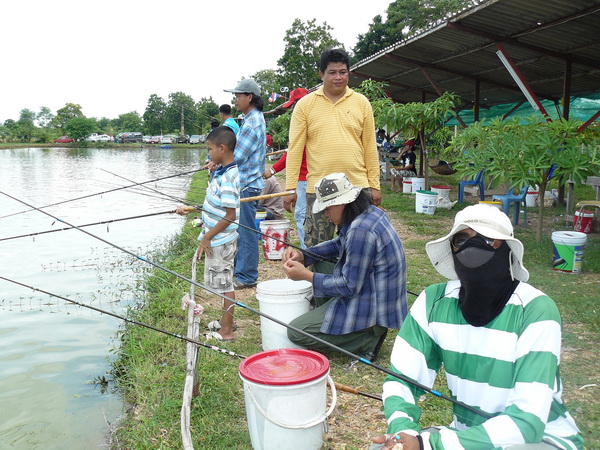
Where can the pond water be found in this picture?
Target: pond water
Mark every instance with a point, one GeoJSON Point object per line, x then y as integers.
{"type": "Point", "coordinates": [53, 352]}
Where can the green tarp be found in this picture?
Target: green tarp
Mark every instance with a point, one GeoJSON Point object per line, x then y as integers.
{"type": "Point", "coordinates": [581, 108]}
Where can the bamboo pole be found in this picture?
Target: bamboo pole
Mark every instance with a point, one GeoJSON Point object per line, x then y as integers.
{"type": "Point", "coordinates": [277, 152]}
{"type": "Point", "coordinates": [266, 196]}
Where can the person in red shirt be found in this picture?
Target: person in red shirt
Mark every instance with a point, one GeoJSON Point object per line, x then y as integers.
{"type": "Point", "coordinates": [300, 210]}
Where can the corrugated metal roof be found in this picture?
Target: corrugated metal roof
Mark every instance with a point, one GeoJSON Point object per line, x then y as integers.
{"type": "Point", "coordinates": [540, 36]}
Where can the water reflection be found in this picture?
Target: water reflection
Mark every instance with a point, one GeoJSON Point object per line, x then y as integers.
{"type": "Point", "coordinates": [52, 351]}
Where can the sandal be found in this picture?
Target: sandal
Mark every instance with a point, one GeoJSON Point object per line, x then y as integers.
{"type": "Point", "coordinates": [215, 325]}
{"type": "Point", "coordinates": [216, 336]}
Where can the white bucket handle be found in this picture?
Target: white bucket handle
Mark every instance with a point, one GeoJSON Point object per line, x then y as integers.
{"type": "Point", "coordinates": [306, 425]}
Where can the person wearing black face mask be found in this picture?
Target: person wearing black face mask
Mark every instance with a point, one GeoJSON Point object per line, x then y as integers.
{"type": "Point", "coordinates": [498, 339]}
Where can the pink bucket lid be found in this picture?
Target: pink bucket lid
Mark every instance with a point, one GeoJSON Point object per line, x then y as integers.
{"type": "Point", "coordinates": [439, 186]}
{"type": "Point", "coordinates": [284, 366]}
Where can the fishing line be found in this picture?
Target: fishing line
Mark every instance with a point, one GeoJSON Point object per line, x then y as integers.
{"type": "Point", "coordinates": [171, 211]}
{"type": "Point", "coordinates": [101, 193]}
{"type": "Point", "coordinates": [127, 319]}
{"type": "Point", "coordinates": [273, 319]}
{"type": "Point", "coordinates": [200, 209]}
{"type": "Point", "coordinates": [254, 230]}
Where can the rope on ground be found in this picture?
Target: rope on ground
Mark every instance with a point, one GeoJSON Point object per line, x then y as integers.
{"type": "Point", "coordinates": [190, 389]}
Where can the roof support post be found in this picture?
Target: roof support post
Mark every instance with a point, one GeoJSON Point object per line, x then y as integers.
{"type": "Point", "coordinates": [476, 101]}
{"type": "Point", "coordinates": [567, 90]}
{"type": "Point", "coordinates": [589, 122]}
{"type": "Point", "coordinates": [516, 74]}
{"type": "Point", "coordinates": [440, 93]}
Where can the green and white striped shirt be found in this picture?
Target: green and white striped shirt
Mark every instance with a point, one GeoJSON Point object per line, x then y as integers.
{"type": "Point", "coordinates": [508, 369]}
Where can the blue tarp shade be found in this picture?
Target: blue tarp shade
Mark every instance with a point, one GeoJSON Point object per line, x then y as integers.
{"type": "Point", "coordinates": [582, 108]}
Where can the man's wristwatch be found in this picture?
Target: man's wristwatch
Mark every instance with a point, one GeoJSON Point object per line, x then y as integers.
{"type": "Point", "coordinates": [272, 171]}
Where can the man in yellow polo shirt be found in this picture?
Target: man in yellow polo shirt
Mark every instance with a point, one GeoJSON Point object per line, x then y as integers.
{"type": "Point", "coordinates": [336, 126]}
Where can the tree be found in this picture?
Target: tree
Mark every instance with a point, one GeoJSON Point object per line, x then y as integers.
{"type": "Point", "coordinates": [527, 154]}
{"type": "Point", "coordinates": [44, 117]}
{"type": "Point", "coordinates": [66, 113]}
{"type": "Point", "coordinates": [130, 121]}
{"type": "Point", "coordinates": [26, 124]}
{"type": "Point", "coordinates": [105, 125]}
{"type": "Point", "coordinates": [377, 38]}
{"type": "Point", "coordinates": [10, 130]}
{"type": "Point", "coordinates": [412, 119]}
{"type": "Point", "coordinates": [180, 113]}
{"type": "Point", "coordinates": [268, 81]}
{"type": "Point", "coordinates": [154, 116]}
{"type": "Point", "coordinates": [304, 43]}
{"type": "Point", "coordinates": [406, 17]}
{"type": "Point", "coordinates": [207, 111]}
{"type": "Point", "coordinates": [80, 127]}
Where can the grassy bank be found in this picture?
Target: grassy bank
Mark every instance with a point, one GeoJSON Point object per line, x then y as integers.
{"type": "Point", "coordinates": [151, 367]}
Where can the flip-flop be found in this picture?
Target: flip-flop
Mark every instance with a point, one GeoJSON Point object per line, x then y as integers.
{"type": "Point", "coordinates": [217, 336]}
{"type": "Point", "coordinates": [215, 325]}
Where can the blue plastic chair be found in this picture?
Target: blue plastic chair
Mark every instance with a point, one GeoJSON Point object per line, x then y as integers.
{"type": "Point", "coordinates": [478, 181]}
{"type": "Point", "coordinates": [517, 199]}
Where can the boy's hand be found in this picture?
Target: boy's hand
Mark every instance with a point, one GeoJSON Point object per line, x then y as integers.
{"type": "Point", "coordinates": [183, 210]}
{"type": "Point", "coordinates": [204, 247]}
{"type": "Point", "coordinates": [211, 166]}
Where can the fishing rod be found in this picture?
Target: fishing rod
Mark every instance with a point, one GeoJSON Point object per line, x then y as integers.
{"type": "Point", "coordinates": [339, 386]}
{"type": "Point", "coordinates": [104, 192]}
{"type": "Point", "coordinates": [127, 319]}
{"type": "Point", "coordinates": [276, 152]}
{"type": "Point", "coordinates": [191, 208]}
{"type": "Point", "coordinates": [171, 211]}
{"type": "Point", "coordinates": [254, 230]}
{"type": "Point", "coordinates": [351, 390]}
{"type": "Point", "coordinates": [271, 318]}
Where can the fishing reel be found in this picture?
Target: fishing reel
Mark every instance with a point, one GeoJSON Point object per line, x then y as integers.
{"type": "Point", "coordinates": [197, 222]}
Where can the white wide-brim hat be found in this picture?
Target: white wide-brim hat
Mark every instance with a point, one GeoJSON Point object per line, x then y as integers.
{"type": "Point", "coordinates": [334, 189]}
{"type": "Point", "coordinates": [486, 220]}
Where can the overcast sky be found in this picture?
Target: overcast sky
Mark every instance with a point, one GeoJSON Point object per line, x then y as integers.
{"type": "Point", "coordinates": [109, 56]}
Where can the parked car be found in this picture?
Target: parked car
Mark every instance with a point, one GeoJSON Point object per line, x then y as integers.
{"type": "Point", "coordinates": [167, 140]}
{"type": "Point", "coordinates": [155, 139]}
{"type": "Point", "coordinates": [95, 137]}
{"type": "Point", "coordinates": [64, 140]}
{"type": "Point", "coordinates": [126, 137]}
{"type": "Point", "coordinates": [195, 139]}
{"type": "Point", "coordinates": [183, 139]}
{"type": "Point", "coordinates": [147, 139]}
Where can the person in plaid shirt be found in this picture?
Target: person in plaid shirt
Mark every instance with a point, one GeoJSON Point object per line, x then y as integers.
{"type": "Point", "coordinates": [366, 294]}
{"type": "Point", "coordinates": [250, 153]}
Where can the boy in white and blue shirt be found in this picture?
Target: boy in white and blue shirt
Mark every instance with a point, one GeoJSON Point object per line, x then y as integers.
{"type": "Point", "coordinates": [218, 239]}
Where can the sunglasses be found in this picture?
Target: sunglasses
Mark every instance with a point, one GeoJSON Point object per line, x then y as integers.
{"type": "Point", "coordinates": [459, 239]}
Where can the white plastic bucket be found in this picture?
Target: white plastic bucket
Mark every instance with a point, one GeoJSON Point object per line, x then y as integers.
{"type": "Point", "coordinates": [583, 221]}
{"type": "Point", "coordinates": [285, 392]}
{"type": "Point", "coordinates": [441, 191]}
{"type": "Point", "coordinates": [285, 300]}
{"type": "Point", "coordinates": [260, 216]}
{"type": "Point", "coordinates": [568, 251]}
{"type": "Point", "coordinates": [278, 229]}
{"type": "Point", "coordinates": [418, 184]}
{"type": "Point", "coordinates": [531, 197]}
{"type": "Point", "coordinates": [406, 186]}
{"type": "Point", "coordinates": [425, 202]}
